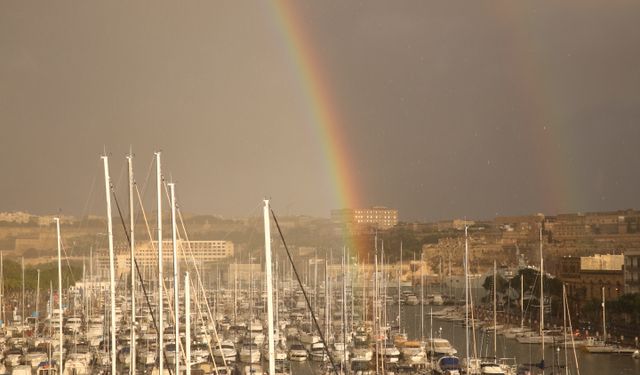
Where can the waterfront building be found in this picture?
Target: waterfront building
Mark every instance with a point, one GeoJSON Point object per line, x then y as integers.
{"type": "Point", "coordinates": [632, 271]}
{"type": "Point", "coordinates": [377, 217]}
{"type": "Point", "coordinates": [585, 277]}
{"type": "Point", "coordinates": [17, 217]}
{"type": "Point", "coordinates": [203, 252]}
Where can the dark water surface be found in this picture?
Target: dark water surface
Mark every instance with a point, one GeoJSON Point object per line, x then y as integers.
{"type": "Point", "coordinates": [589, 364]}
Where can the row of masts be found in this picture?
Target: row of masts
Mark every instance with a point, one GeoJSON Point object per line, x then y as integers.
{"type": "Point", "coordinates": [160, 286]}
{"type": "Point", "coordinates": [269, 280]}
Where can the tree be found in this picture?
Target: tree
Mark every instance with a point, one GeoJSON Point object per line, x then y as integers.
{"type": "Point", "coordinates": [501, 286]}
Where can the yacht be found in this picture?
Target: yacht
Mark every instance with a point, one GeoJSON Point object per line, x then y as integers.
{"type": "Point", "coordinates": [449, 365]}
{"type": "Point", "coordinates": [225, 351]}
{"type": "Point", "coordinates": [318, 352]}
{"type": "Point", "coordinates": [250, 353]}
{"type": "Point", "coordinates": [438, 347]}
{"type": "Point", "coordinates": [298, 353]}
{"type": "Point", "coordinates": [412, 351]}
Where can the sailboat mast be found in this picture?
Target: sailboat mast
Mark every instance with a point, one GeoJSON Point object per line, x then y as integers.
{"type": "Point", "coordinates": [176, 282]}
{"type": "Point", "coordinates": [132, 366]}
{"type": "Point", "coordinates": [604, 321]}
{"type": "Point", "coordinates": [495, 316]}
{"type": "Point", "coordinates": [421, 296]}
{"type": "Point", "coordinates": [382, 306]}
{"type": "Point", "coordinates": [564, 329]}
{"type": "Point", "coordinates": [187, 322]}
{"type": "Point", "coordinates": [50, 304]}
{"type": "Point", "coordinates": [541, 295]}
{"type": "Point", "coordinates": [160, 255]}
{"type": "Point", "coordinates": [112, 273]}
{"type": "Point", "coordinates": [521, 300]}
{"type": "Point", "coordinates": [235, 292]}
{"type": "Point", "coordinates": [327, 302]}
{"type": "Point", "coordinates": [374, 302]}
{"type": "Point", "coordinates": [399, 290]}
{"type": "Point", "coordinates": [38, 297]}
{"type": "Point", "coordinates": [344, 307]}
{"type": "Point", "coordinates": [23, 318]}
{"type": "Point", "coordinates": [84, 290]}
{"type": "Point", "coordinates": [269, 281]}
{"type": "Point", "coordinates": [1, 288]}
{"type": "Point", "coordinates": [90, 307]}
{"type": "Point", "coordinates": [60, 337]}
{"type": "Point", "coordinates": [466, 292]}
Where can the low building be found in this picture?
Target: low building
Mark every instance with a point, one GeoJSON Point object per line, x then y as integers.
{"type": "Point", "coordinates": [632, 271]}
{"type": "Point", "coordinates": [18, 217]}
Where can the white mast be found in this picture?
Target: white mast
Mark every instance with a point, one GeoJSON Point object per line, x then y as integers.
{"type": "Point", "coordinates": [344, 307]}
{"type": "Point", "coordinates": [521, 300]}
{"type": "Point", "coordinates": [564, 329]}
{"type": "Point", "coordinates": [112, 272]}
{"type": "Point", "coordinates": [23, 318]}
{"type": "Point", "coordinates": [421, 296]}
{"type": "Point", "coordinates": [327, 304]}
{"type": "Point", "coordinates": [60, 337]}
{"type": "Point", "coordinates": [235, 292]}
{"type": "Point", "coordinates": [50, 304]}
{"type": "Point", "coordinates": [382, 305]}
{"type": "Point", "coordinates": [466, 292]}
{"type": "Point", "coordinates": [267, 266]}
{"type": "Point", "coordinates": [495, 316]}
{"type": "Point", "coordinates": [160, 288]}
{"type": "Point", "coordinates": [38, 299]}
{"type": "Point", "coordinates": [374, 305]}
{"type": "Point", "coordinates": [1, 288]}
{"type": "Point", "coordinates": [132, 368]}
{"type": "Point", "coordinates": [399, 289]}
{"type": "Point", "coordinates": [187, 326]}
{"type": "Point", "coordinates": [176, 282]}
{"type": "Point", "coordinates": [84, 291]}
{"type": "Point", "coordinates": [90, 307]}
{"type": "Point", "coordinates": [541, 295]}
{"type": "Point", "coordinates": [604, 322]}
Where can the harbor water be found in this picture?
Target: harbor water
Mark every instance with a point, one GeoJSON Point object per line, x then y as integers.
{"type": "Point", "coordinates": [589, 364]}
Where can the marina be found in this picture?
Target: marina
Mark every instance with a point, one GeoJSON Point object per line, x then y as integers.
{"type": "Point", "coordinates": [336, 316]}
{"type": "Point", "coordinates": [361, 320]}
{"type": "Point", "coordinates": [321, 187]}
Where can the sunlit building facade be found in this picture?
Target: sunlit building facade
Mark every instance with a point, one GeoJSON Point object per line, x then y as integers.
{"type": "Point", "coordinates": [377, 217]}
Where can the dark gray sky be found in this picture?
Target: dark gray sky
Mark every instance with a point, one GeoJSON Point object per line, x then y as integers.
{"type": "Point", "coordinates": [449, 109]}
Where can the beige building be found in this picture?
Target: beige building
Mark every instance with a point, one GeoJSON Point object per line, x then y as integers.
{"type": "Point", "coordinates": [602, 262]}
{"type": "Point", "coordinates": [147, 255]}
{"type": "Point", "coordinates": [202, 251]}
{"type": "Point", "coordinates": [15, 217]}
{"type": "Point", "coordinates": [377, 217]}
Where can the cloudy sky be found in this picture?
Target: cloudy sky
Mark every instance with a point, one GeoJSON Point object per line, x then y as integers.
{"type": "Point", "coordinates": [446, 109]}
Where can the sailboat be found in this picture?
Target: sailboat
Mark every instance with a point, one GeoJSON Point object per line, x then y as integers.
{"type": "Point", "coordinates": [593, 345]}
{"type": "Point", "coordinates": [521, 330]}
{"type": "Point", "coordinates": [539, 338]}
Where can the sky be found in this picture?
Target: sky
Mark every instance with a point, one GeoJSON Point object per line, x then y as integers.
{"type": "Point", "coordinates": [441, 109]}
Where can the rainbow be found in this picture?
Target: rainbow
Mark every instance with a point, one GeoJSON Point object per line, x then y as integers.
{"type": "Point", "coordinates": [324, 115]}
{"type": "Point", "coordinates": [561, 194]}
